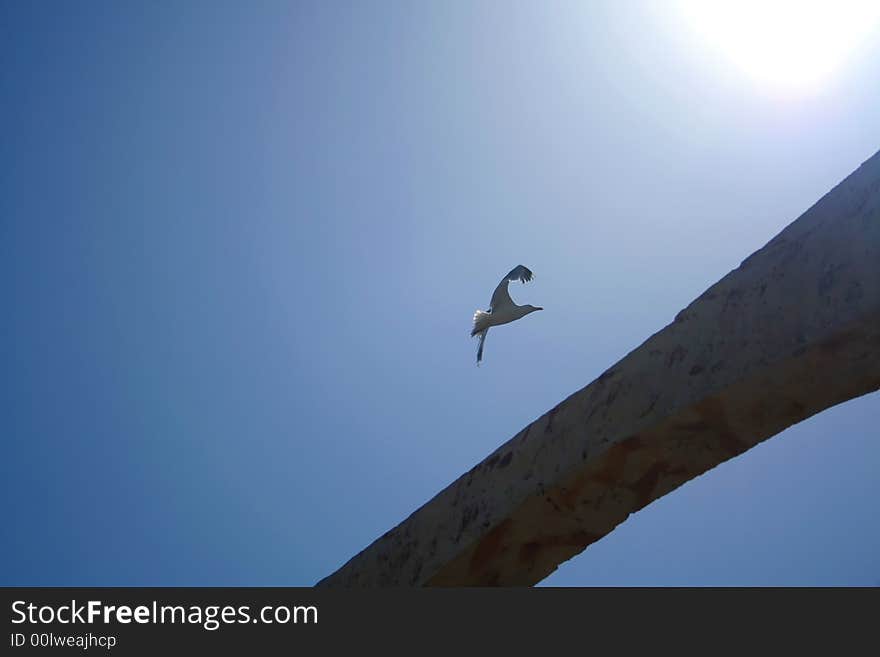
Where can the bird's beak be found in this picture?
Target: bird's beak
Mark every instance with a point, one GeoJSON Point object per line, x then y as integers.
{"type": "Point", "coordinates": [539, 309]}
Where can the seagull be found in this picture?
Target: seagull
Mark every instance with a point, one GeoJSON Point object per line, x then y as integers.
{"type": "Point", "coordinates": [502, 309]}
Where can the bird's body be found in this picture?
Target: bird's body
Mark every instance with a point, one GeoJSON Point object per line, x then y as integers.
{"type": "Point", "coordinates": [502, 309]}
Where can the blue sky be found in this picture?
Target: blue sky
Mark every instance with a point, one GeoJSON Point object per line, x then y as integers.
{"type": "Point", "coordinates": [241, 245]}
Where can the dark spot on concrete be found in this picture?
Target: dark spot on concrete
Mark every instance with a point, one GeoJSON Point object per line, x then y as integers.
{"type": "Point", "coordinates": [489, 546]}
{"type": "Point", "coordinates": [468, 515]}
{"type": "Point", "coordinates": [607, 374]}
{"type": "Point", "coordinates": [717, 366]}
{"type": "Point", "coordinates": [550, 417]}
{"type": "Point", "coordinates": [416, 572]}
{"type": "Point", "coordinates": [829, 278]}
{"type": "Point", "coordinates": [854, 292]}
{"type": "Point", "coordinates": [696, 369]}
{"type": "Point", "coordinates": [612, 395]}
{"type": "Point", "coordinates": [676, 356]}
{"type": "Point", "coordinates": [569, 495]}
{"type": "Point", "coordinates": [732, 298]}
{"type": "Point", "coordinates": [651, 405]}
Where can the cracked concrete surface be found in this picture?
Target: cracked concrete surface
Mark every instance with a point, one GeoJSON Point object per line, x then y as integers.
{"type": "Point", "coordinates": [793, 330]}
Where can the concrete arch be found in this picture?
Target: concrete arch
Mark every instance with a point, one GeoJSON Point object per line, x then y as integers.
{"type": "Point", "coordinates": [793, 330]}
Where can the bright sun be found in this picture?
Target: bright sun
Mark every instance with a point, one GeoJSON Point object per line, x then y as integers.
{"type": "Point", "coordinates": [793, 44]}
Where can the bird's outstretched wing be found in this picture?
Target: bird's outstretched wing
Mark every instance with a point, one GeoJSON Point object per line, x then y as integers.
{"type": "Point", "coordinates": [501, 297]}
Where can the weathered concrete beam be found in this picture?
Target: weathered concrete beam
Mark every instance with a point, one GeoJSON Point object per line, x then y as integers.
{"type": "Point", "coordinates": [793, 330]}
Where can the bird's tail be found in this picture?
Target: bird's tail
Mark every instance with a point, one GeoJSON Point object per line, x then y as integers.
{"type": "Point", "coordinates": [481, 328]}
{"type": "Point", "coordinates": [481, 322]}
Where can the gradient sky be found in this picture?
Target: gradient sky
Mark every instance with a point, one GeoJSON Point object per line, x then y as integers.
{"type": "Point", "coordinates": [241, 245]}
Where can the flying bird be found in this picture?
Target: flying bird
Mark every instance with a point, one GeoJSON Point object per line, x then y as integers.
{"type": "Point", "coordinates": [502, 309]}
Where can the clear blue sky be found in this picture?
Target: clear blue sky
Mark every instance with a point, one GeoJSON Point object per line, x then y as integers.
{"type": "Point", "coordinates": [241, 245]}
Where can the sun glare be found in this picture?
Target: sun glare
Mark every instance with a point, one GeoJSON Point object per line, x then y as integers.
{"type": "Point", "coordinates": [790, 44]}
